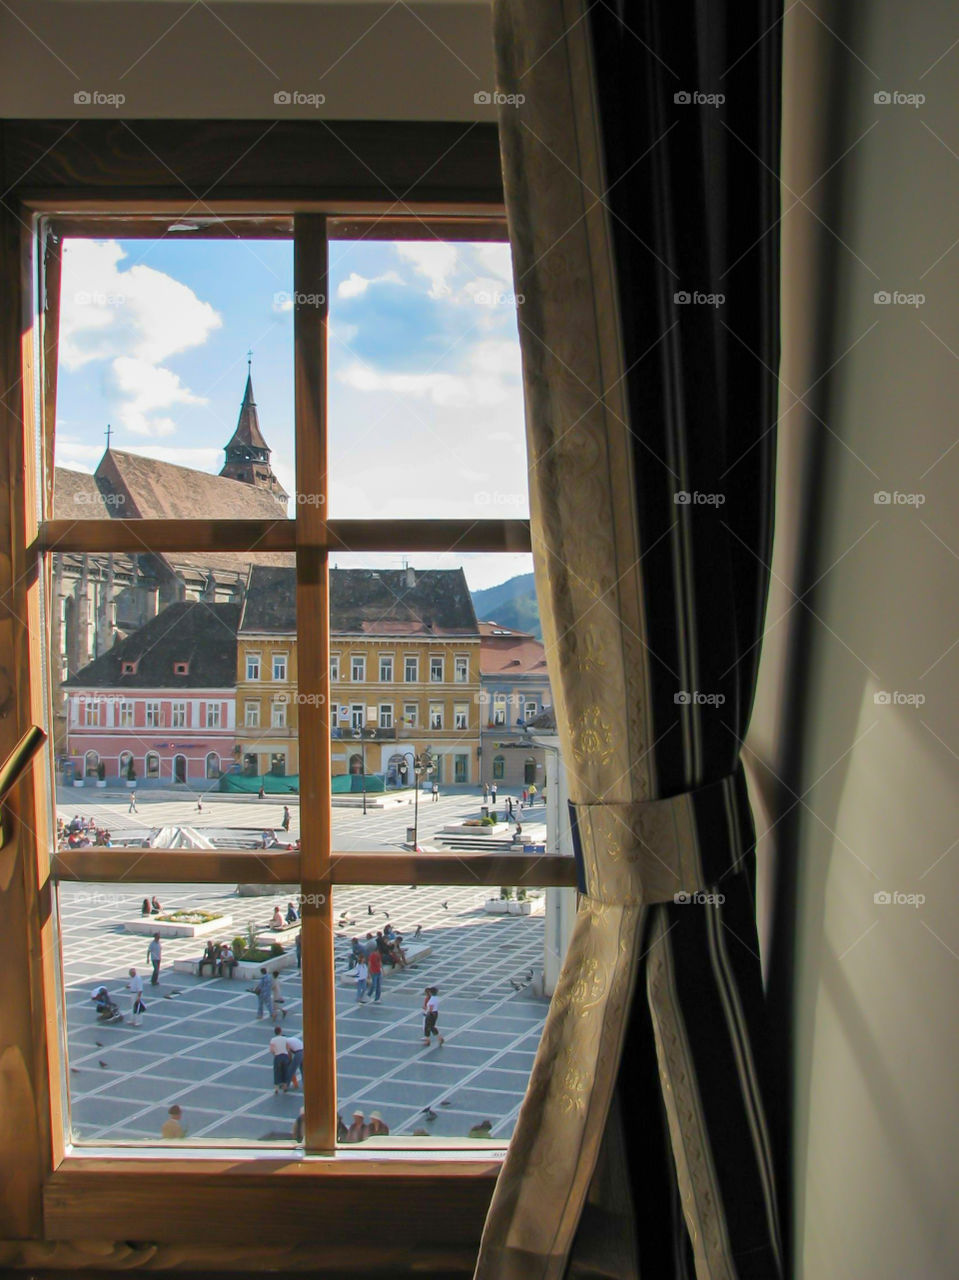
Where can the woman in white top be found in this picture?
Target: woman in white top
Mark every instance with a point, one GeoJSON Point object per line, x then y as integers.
{"type": "Point", "coordinates": [431, 1008]}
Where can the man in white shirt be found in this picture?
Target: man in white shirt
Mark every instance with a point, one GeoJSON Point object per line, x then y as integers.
{"type": "Point", "coordinates": [281, 1060]}
{"type": "Point", "coordinates": [362, 973]}
{"type": "Point", "coordinates": [136, 986]}
{"type": "Point", "coordinates": [294, 1046]}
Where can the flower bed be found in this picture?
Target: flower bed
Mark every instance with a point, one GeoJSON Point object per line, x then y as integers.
{"type": "Point", "coordinates": [169, 927]}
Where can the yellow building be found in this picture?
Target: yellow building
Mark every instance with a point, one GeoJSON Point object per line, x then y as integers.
{"type": "Point", "coordinates": [267, 699]}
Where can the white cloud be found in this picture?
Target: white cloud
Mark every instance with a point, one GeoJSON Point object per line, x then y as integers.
{"type": "Point", "coordinates": [357, 285]}
{"type": "Point", "coordinates": [132, 321]}
{"type": "Point", "coordinates": [433, 259]}
{"type": "Point", "coordinates": [496, 259]}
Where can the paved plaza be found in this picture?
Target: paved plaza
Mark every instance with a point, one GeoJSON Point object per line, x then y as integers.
{"type": "Point", "coordinates": [200, 1044]}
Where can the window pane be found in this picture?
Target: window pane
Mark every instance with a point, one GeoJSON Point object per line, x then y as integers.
{"type": "Point", "coordinates": [157, 415]}
{"type": "Point", "coordinates": [199, 1044]}
{"type": "Point", "coordinates": [489, 971]}
{"type": "Point", "coordinates": [425, 395]}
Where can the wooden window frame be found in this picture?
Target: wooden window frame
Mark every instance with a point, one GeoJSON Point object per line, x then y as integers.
{"type": "Point", "coordinates": [67, 182]}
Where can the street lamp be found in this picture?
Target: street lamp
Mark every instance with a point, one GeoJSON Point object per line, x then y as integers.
{"type": "Point", "coordinates": [363, 734]}
{"type": "Point", "coordinates": [422, 764]}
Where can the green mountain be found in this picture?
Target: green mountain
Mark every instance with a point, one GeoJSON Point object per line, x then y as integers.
{"type": "Point", "coordinates": [512, 604]}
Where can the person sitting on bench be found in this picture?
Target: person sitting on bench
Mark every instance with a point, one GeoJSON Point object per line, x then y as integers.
{"type": "Point", "coordinates": [226, 961]}
{"type": "Point", "coordinates": [211, 956]}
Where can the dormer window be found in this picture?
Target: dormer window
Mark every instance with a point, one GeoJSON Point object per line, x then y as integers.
{"type": "Point", "coordinates": [128, 668]}
{"type": "Point", "coordinates": [181, 668]}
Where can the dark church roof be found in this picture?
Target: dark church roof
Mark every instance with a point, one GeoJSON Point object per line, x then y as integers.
{"type": "Point", "coordinates": [199, 634]}
{"type": "Point", "coordinates": [248, 424]}
{"type": "Point", "coordinates": [165, 491]}
{"type": "Point", "coordinates": [270, 604]}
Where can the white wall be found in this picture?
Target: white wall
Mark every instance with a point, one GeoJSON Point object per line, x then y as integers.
{"type": "Point", "coordinates": [869, 405]}
{"type": "Point", "coordinates": [227, 60]}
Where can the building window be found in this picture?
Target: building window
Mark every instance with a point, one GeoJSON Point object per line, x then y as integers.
{"type": "Point", "coordinates": [436, 669]}
{"type": "Point", "coordinates": [334, 666]}
{"type": "Point", "coordinates": [153, 715]}
{"type": "Point", "coordinates": [278, 764]}
{"type": "Point", "coordinates": [126, 715]}
{"type": "Point", "coordinates": [91, 713]}
{"type": "Point", "coordinates": [461, 715]}
{"type": "Point", "coordinates": [251, 765]}
{"type": "Point", "coordinates": [152, 765]}
{"type": "Point", "coordinates": [128, 668]}
{"type": "Point", "coordinates": [411, 669]}
{"type": "Point", "coordinates": [499, 768]}
{"type": "Point", "coordinates": [181, 668]}
{"type": "Point", "coordinates": [124, 762]}
{"type": "Point", "coordinates": [357, 715]}
{"type": "Point", "coordinates": [212, 765]}
{"type": "Point", "coordinates": [213, 715]}
{"type": "Point", "coordinates": [461, 668]}
{"type": "Point", "coordinates": [251, 715]}
{"type": "Point", "coordinates": [411, 712]}
{"type": "Point", "coordinates": [436, 715]}
{"type": "Point", "coordinates": [278, 715]}
{"type": "Point", "coordinates": [90, 762]}
{"type": "Point", "coordinates": [358, 667]}
{"type": "Point", "coordinates": [386, 715]}
{"type": "Point", "coordinates": [461, 768]}
{"type": "Point", "coordinates": [279, 666]}
{"type": "Point", "coordinates": [386, 668]}
{"type": "Point", "coordinates": [530, 710]}
{"type": "Point", "coordinates": [178, 715]}
{"type": "Point", "coordinates": [252, 666]}
{"type": "Point", "coordinates": [499, 708]}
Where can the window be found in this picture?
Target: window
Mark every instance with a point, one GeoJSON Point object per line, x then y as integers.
{"type": "Point", "coordinates": [499, 768]}
{"type": "Point", "coordinates": [308, 528]}
{"type": "Point", "coordinates": [128, 668]}
{"type": "Point", "coordinates": [212, 715]}
{"type": "Point", "coordinates": [499, 708]}
{"type": "Point", "coordinates": [126, 715]}
{"type": "Point", "coordinates": [212, 765]}
{"type": "Point", "coordinates": [278, 714]}
{"type": "Point", "coordinates": [386, 668]}
{"type": "Point", "coordinates": [90, 762]}
{"type": "Point", "coordinates": [181, 668]}
{"type": "Point", "coordinates": [461, 715]}
{"type": "Point", "coordinates": [153, 715]}
{"type": "Point", "coordinates": [152, 765]}
{"type": "Point", "coordinates": [530, 710]}
{"type": "Point", "coordinates": [461, 668]}
{"type": "Point", "coordinates": [411, 668]}
{"type": "Point", "coordinates": [91, 712]}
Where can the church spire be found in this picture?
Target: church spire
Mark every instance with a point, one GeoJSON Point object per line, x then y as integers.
{"type": "Point", "coordinates": [247, 453]}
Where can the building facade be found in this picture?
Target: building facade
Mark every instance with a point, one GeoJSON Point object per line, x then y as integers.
{"type": "Point", "coordinates": [514, 689]}
{"type": "Point", "coordinates": [267, 694]}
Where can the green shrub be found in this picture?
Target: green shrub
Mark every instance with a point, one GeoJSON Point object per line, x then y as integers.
{"type": "Point", "coordinates": [239, 947]}
{"type": "Point", "coordinates": [276, 949]}
{"type": "Point", "coordinates": [521, 895]}
{"type": "Point", "coordinates": [505, 893]}
{"type": "Point", "coordinates": [487, 822]}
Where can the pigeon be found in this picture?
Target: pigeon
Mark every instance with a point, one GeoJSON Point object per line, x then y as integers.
{"type": "Point", "coordinates": [369, 908]}
{"type": "Point", "coordinates": [102, 1063]}
{"type": "Point", "coordinates": [517, 986]}
{"type": "Point", "coordinates": [98, 1043]}
{"type": "Point", "coordinates": [445, 905]}
{"type": "Point", "coordinates": [419, 930]}
{"type": "Point", "coordinates": [429, 1113]}
{"type": "Point", "coordinates": [412, 886]}
{"type": "Point", "coordinates": [445, 1102]}
{"type": "Point", "coordinates": [387, 914]}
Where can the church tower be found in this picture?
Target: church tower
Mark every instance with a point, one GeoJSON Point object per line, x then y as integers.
{"type": "Point", "coordinates": [247, 453]}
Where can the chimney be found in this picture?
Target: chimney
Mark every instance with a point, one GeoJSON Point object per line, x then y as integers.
{"type": "Point", "coordinates": [410, 577]}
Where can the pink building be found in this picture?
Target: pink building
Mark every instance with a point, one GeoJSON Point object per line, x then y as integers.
{"type": "Point", "coordinates": [163, 698]}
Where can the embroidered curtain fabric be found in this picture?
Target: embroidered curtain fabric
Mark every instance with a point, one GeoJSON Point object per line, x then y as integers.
{"type": "Point", "coordinates": [640, 151]}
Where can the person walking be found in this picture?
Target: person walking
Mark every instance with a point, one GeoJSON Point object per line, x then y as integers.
{"type": "Point", "coordinates": [485, 792]}
{"type": "Point", "coordinates": [281, 1060]}
{"type": "Point", "coordinates": [261, 793]}
{"type": "Point", "coordinates": [294, 1046]}
{"type": "Point", "coordinates": [136, 986]}
{"type": "Point", "coordinates": [276, 997]}
{"type": "Point", "coordinates": [376, 975]}
{"type": "Point", "coordinates": [431, 1009]}
{"type": "Point", "coordinates": [133, 803]}
{"type": "Point", "coordinates": [285, 824]}
{"type": "Point", "coordinates": [532, 793]}
{"type": "Point", "coordinates": [435, 792]}
{"type": "Point", "coordinates": [264, 994]}
{"type": "Point", "coordinates": [154, 956]}
{"type": "Point", "coordinates": [509, 808]}
{"type": "Point", "coordinates": [362, 972]}
{"type": "Point", "coordinates": [299, 951]}
{"type": "Point", "coordinates": [492, 793]}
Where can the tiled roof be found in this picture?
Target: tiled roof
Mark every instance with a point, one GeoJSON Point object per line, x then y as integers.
{"type": "Point", "coordinates": [401, 602]}
{"type": "Point", "coordinates": [77, 496]}
{"type": "Point", "coordinates": [165, 491]}
{"type": "Point", "coordinates": [270, 605]}
{"type": "Point", "coordinates": [248, 424]}
{"type": "Point", "coordinates": [510, 653]}
{"type": "Point", "coordinates": [202, 635]}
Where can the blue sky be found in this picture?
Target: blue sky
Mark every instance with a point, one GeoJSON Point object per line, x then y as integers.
{"type": "Point", "coordinates": [426, 414]}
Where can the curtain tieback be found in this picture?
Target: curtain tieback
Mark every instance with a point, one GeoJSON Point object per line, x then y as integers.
{"type": "Point", "coordinates": [661, 850]}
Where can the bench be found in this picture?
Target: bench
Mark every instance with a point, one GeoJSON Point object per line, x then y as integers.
{"type": "Point", "coordinates": [414, 953]}
{"type": "Point", "coordinates": [268, 936]}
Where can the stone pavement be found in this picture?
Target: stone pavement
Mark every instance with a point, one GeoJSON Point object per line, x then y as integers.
{"type": "Point", "coordinates": [201, 1046]}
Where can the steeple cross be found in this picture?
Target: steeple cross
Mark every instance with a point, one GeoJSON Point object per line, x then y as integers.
{"type": "Point", "coordinates": [108, 433]}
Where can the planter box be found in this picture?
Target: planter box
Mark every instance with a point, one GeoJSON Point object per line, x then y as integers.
{"type": "Point", "coordinates": [520, 908]}
{"type": "Point", "coordinates": [497, 906]}
{"type": "Point", "coordinates": [461, 829]}
{"type": "Point", "coordinates": [131, 786]}
{"type": "Point", "coordinates": [101, 785]}
{"type": "Point", "coordinates": [246, 970]}
{"type": "Point", "coordinates": [149, 925]}
{"type": "Point", "coordinates": [78, 782]}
